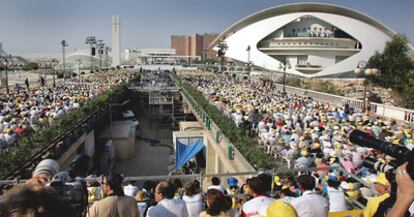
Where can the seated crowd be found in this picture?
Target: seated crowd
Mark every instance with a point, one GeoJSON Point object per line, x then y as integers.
{"type": "Point", "coordinates": [304, 132]}
{"type": "Point", "coordinates": [259, 196]}
{"type": "Point", "coordinates": [24, 110]}
{"type": "Point", "coordinates": [300, 130]}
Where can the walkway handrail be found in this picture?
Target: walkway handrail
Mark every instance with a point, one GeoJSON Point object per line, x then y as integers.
{"type": "Point", "coordinates": [384, 111]}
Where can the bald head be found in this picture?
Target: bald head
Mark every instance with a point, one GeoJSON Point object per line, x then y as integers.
{"type": "Point", "coordinates": [166, 189]}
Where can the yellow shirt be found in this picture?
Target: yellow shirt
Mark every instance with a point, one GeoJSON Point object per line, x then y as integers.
{"type": "Point", "coordinates": [373, 204]}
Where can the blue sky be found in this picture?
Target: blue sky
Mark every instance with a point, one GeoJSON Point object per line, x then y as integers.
{"type": "Point", "coordinates": [36, 27]}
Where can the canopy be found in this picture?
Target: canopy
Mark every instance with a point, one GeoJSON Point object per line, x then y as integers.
{"type": "Point", "coordinates": [184, 153]}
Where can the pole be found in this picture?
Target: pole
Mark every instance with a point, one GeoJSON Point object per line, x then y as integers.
{"type": "Point", "coordinates": [100, 59]}
{"type": "Point", "coordinates": [54, 74]}
{"type": "Point", "coordinates": [365, 96]}
{"type": "Point", "coordinates": [91, 58]}
{"type": "Point", "coordinates": [7, 79]}
{"type": "Point", "coordinates": [64, 66]}
{"type": "Point", "coordinates": [284, 79]}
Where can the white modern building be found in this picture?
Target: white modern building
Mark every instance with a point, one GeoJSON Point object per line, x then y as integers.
{"type": "Point", "coordinates": [314, 39]}
{"type": "Point", "coordinates": [149, 55]}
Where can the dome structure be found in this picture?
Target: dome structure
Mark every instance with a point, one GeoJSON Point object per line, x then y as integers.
{"type": "Point", "coordinates": [81, 59]}
{"type": "Point", "coordinates": [312, 39]}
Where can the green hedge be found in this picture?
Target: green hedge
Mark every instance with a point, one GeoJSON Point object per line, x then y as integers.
{"type": "Point", "coordinates": [28, 146]}
{"type": "Point", "coordinates": [247, 146]}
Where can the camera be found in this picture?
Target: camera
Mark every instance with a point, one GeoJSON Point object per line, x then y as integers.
{"type": "Point", "coordinates": [375, 164]}
{"type": "Point", "coordinates": [70, 184]}
{"type": "Point", "coordinates": [400, 154]}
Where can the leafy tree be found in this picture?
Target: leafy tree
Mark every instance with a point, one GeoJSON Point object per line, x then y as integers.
{"type": "Point", "coordinates": [30, 66]}
{"type": "Point", "coordinates": [395, 70]}
{"type": "Point", "coordinates": [393, 64]}
{"type": "Point", "coordinates": [406, 95]}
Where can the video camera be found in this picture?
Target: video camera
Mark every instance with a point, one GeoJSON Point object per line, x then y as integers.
{"type": "Point", "coordinates": [400, 154]}
{"type": "Point", "coordinates": [70, 184]}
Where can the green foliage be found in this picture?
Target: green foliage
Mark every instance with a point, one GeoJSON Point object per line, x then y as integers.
{"type": "Point", "coordinates": [59, 75]}
{"type": "Point", "coordinates": [395, 70]}
{"type": "Point", "coordinates": [294, 82]}
{"type": "Point", "coordinates": [247, 146]}
{"type": "Point", "coordinates": [406, 95]}
{"type": "Point", "coordinates": [30, 66]}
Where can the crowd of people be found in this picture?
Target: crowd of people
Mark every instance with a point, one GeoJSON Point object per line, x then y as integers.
{"type": "Point", "coordinates": [306, 133]}
{"type": "Point", "coordinates": [261, 195]}
{"type": "Point", "coordinates": [26, 110]}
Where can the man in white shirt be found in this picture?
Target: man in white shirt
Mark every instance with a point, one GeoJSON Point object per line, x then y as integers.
{"type": "Point", "coordinates": [167, 206]}
{"type": "Point", "coordinates": [251, 208]}
{"type": "Point", "coordinates": [310, 204]}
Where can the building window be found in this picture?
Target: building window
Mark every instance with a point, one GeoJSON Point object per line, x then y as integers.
{"type": "Point", "coordinates": [340, 58]}
{"type": "Point", "coordinates": [302, 60]}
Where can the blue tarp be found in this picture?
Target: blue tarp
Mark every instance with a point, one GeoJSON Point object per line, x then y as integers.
{"type": "Point", "coordinates": [184, 153]}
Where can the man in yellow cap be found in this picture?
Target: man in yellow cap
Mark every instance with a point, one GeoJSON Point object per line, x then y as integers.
{"type": "Point", "coordinates": [382, 186]}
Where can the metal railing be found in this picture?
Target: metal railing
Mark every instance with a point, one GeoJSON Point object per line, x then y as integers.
{"type": "Point", "coordinates": [384, 111]}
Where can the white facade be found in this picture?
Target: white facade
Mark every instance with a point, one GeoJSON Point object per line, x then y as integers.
{"type": "Point", "coordinates": [316, 39]}
{"type": "Point", "coordinates": [130, 54]}
{"type": "Point", "coordinates": [116, 41]}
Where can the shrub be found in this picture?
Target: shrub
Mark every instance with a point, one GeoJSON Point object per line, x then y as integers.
{"type": "Point", "coordinates": [59, 75]}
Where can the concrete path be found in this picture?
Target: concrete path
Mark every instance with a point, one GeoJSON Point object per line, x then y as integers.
{"type": "Point", "coordinates": [152, 157]}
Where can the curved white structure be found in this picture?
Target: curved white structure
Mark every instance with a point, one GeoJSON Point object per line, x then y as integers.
{"type": "Point", "coordinates": [316, 39]}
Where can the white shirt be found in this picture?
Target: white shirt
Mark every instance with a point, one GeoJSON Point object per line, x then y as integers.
{"type": "Point", "coordinates": [336, 200]}
{"type": "Point", "coordinates": [130, 190]}
{"type": "Point", "coordinates": [168, 208]}
{"type": "Point", "coordinates": [251, 207]}
{"type": "Point", "coordinates": [311, 204]}
{"type": "Point", "coordinates": [194, 204]}
{"type": "Point", "coordinates": [142, 206]}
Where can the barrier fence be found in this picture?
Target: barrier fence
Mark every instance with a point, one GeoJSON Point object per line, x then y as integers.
{"type": "Point", "coordinates": [384, 111]}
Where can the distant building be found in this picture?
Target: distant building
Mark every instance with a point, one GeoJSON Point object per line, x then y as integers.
{"type": "Point", "coordinates": [149, 55]}
{"type": "Point", "coordinates": [315, 39]}
{"type": "Point", "coordinates": [194, 45]}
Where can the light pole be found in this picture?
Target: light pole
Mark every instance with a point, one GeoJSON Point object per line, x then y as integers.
{"type": "Point", "coordinates": [100, 46]}
{"type": "Point", "coordinates": [221, 52]}
{"type": "Point", "coordinates": [284, 66]}
{"type": "Point", "coordinates": [53, 63]}
{"type": "Point", "coordinates": [7, 62]}
{"type": "Point", "coordinates": [107, 49]}
{"type": "Point", "coordinates": [248, 58]}
{"type": "Point", "coordinates": [361, 70]}
{"type": "Point", "coordinates": [79, 72]}
{"type": "Point", "coordinates": [91, 40]}
{"type": "Point", "coordinates": [64, 44]}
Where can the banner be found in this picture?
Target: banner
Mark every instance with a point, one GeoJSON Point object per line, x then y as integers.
{"type": "Point", "coordinates": [184, 153]}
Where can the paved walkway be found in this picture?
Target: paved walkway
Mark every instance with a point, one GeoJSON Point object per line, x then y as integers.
{"type": "Point", "coordinates": [153, 148]}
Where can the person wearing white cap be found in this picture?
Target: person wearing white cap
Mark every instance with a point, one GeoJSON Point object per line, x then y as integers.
{"type": "Point", "coordinates": [44, 172]}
